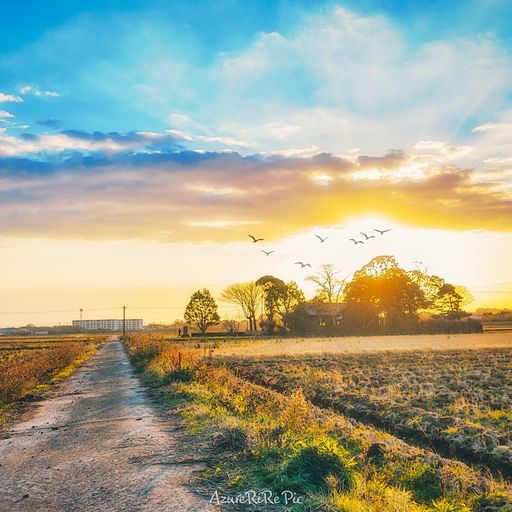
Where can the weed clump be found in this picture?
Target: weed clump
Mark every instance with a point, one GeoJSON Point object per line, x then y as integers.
{"type": "Point", "coordinates": [179, 375]}
{"type": "Point", "coordinates": [496, 501]}
{"type": "Point", "coordinates": [311, 465]}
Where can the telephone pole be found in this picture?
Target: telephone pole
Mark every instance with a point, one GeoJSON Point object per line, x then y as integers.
{"type": "Point", "coordinates": [124, 322]}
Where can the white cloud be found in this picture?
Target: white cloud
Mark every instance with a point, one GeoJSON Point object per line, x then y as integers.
{"type": "Point", "coordinates": [180, 134]}
{"type": "Point", "coordinates": [176, 118]}
{"type": "Point", "coordinates": [11, 146]}
{"type": "Point", "coordinates": [29, 89]}
{"type": "Point", "coordinates": [343, 80]}
{"type": "Point", "coordinates": [9, 98]}
{"type": "Point", "coordinates": [493, 141]}
{"type": "Point", "coordinates": [209, 139]}
{"type": "Point", "coordinates": [440, 151]}
{"type": "Point", "coordinates": [4, 113]}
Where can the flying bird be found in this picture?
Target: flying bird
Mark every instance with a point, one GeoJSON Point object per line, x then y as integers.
{"type": "Point", "coordinates": [381, 231]}
{"type": "Point", "coordinates": [254, 239]}
{"type": "Point", "coordinates": [302, 265]}
{"type": "Point", "coordinates": [366, 236]}
{"type": "Point", "coordinates": [356, 241]}
{"type": "Point", "coordinates": [322, 240]}
{"type": "Point", "coordinates": [268, 253]}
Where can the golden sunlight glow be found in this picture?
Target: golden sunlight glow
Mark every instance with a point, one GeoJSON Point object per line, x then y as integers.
{"type": "Point", "coordinates": [70, 274]}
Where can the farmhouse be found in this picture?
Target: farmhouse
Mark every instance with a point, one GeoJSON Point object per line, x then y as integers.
{"type": "Point", "coordinates": [314, 318]}
{"type": "Point", "coordinates": [326, 315]}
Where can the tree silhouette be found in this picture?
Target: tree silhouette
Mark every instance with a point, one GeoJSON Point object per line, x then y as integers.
{"type": "Point", "coordinates": [292, 298]}
{"type": "Point", "coordinates": [329, 285]}
{"type": "Point", "coordinates": [274, 290]}
{"type": "Point", "coordinates": [246, 295]}
{"type": "Point", "coordinates": [280, 299]}
{"type": "Point", "coordinates": [442, 297]}
{"type": "Point", "coordinates": [390, 290]}
{"type": "Point", "coordinates": [201, 310]}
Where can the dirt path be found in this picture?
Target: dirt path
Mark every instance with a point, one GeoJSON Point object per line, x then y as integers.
{"type": "Point", "coordinates": [96, 446]}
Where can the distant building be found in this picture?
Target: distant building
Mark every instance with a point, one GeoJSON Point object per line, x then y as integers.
{"type": "Point", "coordinates": [326, 314]}
{"type": "Point", "coordinates": [109, 325]}
{"type": "Point", "coordinates": [311, 318]}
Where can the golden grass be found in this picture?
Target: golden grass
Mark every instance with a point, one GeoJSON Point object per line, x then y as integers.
{"type": "Point", "coordinates": [29, 371]}
{"type": "Point", "coordinates": [259, 434]}
{"type": "Point", "coordinates": [357, 344]}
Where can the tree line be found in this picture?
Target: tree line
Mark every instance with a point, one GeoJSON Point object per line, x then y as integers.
{"type": "Point", "coordinates": [379, 297]}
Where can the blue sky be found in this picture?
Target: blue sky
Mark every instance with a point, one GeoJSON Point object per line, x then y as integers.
{"type": "Point", "coordinates": [127, 65]}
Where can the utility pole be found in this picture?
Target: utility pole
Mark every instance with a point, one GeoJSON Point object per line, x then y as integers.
{"type": "Point", "coordinates": [81, 311]}
{"type": "Point", "coordinates": [124, 322]}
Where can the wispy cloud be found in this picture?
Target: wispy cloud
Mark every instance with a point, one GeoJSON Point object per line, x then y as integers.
{"type": "Point", "coordinates": [76, 140]}
{"type": "Point", "coordinates": [35, 91]}
{"type": "Point", "coordinates": [5, 98]}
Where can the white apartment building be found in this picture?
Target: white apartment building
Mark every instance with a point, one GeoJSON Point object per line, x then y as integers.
{"type": "Point", "coordinates": [132, 324]}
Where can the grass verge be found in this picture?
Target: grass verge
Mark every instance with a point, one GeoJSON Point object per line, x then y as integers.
{"type": "Point", "coordinates": [283, 450]}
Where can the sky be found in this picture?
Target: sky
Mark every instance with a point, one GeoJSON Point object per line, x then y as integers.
{"type": "Point", "coordinates": [142, 141]}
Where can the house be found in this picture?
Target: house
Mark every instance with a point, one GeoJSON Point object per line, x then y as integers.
{"type": "Point", "coordinates": [317, 317]}
{"type": "Point", "coordinates": [326, 315]}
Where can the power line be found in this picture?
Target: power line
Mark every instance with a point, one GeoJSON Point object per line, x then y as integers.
{"type": "Point", "coordinates": [82, 311]}
{"type": "Point", "coordinates": [43, 312]}
{"type": "Point", "coordinates": [155, 307]}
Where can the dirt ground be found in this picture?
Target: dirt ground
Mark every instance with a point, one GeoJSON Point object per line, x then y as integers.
{"type": "Point", "coordinates": [98, 445]}
{"type": "Point", "coordinates": [354, 344]}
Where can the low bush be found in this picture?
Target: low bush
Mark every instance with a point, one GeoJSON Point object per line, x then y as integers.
{"type": "Point", "coordinates": [310, 466]}
{"type": "Point", "coordinates": [179, 375]}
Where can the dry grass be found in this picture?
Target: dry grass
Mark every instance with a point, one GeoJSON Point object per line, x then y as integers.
{"type": "Point", "coordinates": [357, 344]}
{"type": "Point", "coordinates": [457, 402]}
{"type": "Point", "coordinates": [22, 369]}
{"type": "Point", "coordinates": [268, 439]}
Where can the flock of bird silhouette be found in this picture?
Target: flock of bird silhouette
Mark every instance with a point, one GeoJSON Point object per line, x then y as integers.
{"type": "Point", "coordinates": [322, 240]}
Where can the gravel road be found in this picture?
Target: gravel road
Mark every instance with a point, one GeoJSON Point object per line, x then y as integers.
{"type": "Point", "coordinates": [96, 444]}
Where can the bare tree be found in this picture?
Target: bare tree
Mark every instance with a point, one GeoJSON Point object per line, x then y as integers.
{"type": "Point", "coordinates": [329, 286]}
{"type": "Point", "coordinates": [231, 326]}
{"type": "Point", "coordinates": [246, 295]}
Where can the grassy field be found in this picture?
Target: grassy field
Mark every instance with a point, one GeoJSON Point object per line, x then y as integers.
{"type": "Point", "coordinates": [354, 344]}
{"type": "Point", "coordinates": [353, 431]}
{"type": "Point", "coordinates": [29, 364]}
{"type": "Point", "coordinates": [457, 402]}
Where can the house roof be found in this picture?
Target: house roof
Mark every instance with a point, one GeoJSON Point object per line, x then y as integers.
{"type": "Point", "coordinates": [326, 309]}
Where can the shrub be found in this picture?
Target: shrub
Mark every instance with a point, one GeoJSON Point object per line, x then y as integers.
{"type": "Point", "coordinates": [233, 439]}
{"type": "Point", "coordinates": [496, 501]}
{"type": "Point", "coordinates": [180, 375]}
{"type": "Point", "coordinates": [424, 481]}
{"type": "Point", "coordinates": [312, 464]}
{"type": "Point", "coordinates": [297, 415]}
